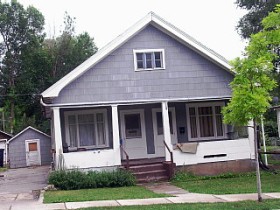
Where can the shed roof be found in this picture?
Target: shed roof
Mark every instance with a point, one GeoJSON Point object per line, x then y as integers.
{"type": "Point", "coordinates": [26, 129]}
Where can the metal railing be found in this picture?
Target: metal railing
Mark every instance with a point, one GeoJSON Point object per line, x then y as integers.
{"type": "Point", "coordinates": [126, 156]}
{"type": "Point", "coordinates": [170, 152]}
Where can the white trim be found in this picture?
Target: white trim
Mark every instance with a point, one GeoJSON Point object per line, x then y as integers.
{"type": "Point", "coordinates": [5, 149]}
{"type": "Point", "coordinates": [204, 104]}
{"type": "Point", "coordinates": [38, 149]}
{"type": "Point", "coordinates": [148, 51]}
{"type": "Point", "coordinates": [166, 129]}
{"type": "Point", "coordinates": [94, 112]}
{"type": "Point", "coordinates": [24, 130]}
{"type": "Point", "coordinates": [57, 137]}
{"type": "Point", "coordinates": [133, 102]}
{"type": "Point", "coordinates": [151, 18]}
{"type": "Point", "coordinates": [174, 139]}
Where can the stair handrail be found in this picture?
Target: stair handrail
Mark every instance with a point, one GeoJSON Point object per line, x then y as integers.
{"type": "Point", "coordinates": [169, 150]}
{"type": "Point", "coordinates": [126, 156]}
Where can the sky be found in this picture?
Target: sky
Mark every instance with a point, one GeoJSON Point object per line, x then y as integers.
{"type": "Point", "coordinates": [212, 22]}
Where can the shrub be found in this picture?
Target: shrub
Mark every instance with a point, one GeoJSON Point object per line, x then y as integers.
{"type": "Point", "coordinates": [68, 180]}
{"type": "Point", "coordinates": [74, 179]}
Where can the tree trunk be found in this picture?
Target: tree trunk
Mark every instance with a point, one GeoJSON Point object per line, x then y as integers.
{"type": "Point", "coordinates": [259, 187]}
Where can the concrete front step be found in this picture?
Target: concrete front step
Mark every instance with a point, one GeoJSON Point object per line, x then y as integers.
{"type": "Point", "coordinates": [151, 172]}
{"type": "Point", "coordinates": [148, 167]}
{"type": "Point", "coordinates": [148, 174]}
{"type": "Point", "coordinates": [152, 179]}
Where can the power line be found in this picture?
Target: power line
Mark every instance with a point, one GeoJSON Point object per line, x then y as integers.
{"type": "Point", "coordinates": [21, 95]}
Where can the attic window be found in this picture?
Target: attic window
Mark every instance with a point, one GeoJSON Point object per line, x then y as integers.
{"type": "Point", "coordinates": [150, 59]}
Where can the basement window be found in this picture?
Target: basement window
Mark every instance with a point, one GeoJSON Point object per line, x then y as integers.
{"type": "Point", "coordinates": [149, 59]}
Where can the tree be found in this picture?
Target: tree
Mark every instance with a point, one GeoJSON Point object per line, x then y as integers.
{"type": "Point", "coordinates": [43, 66]}
{"type": "Point", "coordinates": [20, 28]}
{"type": "Point", "coordinates": [32, 63]}
{"type": "Point", "coordinates": [252, 83]}
{"type": "Point", "coordinates": [251, 22]}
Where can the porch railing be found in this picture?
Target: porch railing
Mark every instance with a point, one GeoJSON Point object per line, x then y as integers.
{"type": "Point", "coordinates": [126, 156]}
{"type": "Point", "coordinates": [170, 152]}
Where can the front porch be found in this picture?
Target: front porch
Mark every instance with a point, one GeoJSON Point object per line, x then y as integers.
{"type": "Point", "coordinates": [93, 137]}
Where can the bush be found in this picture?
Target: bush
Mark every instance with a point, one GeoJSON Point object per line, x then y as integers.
{"type": "Point", "coordinates": [74, 179]}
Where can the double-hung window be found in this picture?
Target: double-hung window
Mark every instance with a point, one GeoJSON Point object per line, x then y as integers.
{"type": "Point", "coordinates": [150, 59]}
{"type": "Point", "coordinates": [86, 129]}
{"type": "Point", "coordinates": [205, 121]}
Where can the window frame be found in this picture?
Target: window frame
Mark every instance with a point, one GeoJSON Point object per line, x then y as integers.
{"type": "Point", "coordinates": [82, 112]}
{"type": "Point", "coordinates": [161, 51]}
{"type": "Point", "coordinates": [205, 104]}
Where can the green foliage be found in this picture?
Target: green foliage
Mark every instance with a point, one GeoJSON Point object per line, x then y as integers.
{"type": "Point", "coordinates": [251, 22]}
{"type": "Point", "coordinates": [31, 63]}
{"type": "Point", "coordinates": [75, 179]}
{"type": "Point", "coordinates": [252, 84]}
{"type": "Point", "coordinates": [21, 30]}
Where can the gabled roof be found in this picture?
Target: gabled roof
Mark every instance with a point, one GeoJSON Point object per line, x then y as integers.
{"type": "Point", "coordinates": [24, 130]}
{"type": "Point", "coordinates": [152, 19]}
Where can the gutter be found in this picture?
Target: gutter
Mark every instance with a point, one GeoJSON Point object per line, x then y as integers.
{"type": "Point", "coordinates": [133, 102]}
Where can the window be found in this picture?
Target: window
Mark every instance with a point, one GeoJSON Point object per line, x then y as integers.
{"type": "Point", "coordinates": [205, 121]}
{"type": "Point", "coordinates": [133, 126]}
{"type": "Point", "coordinates": [160, 123]}
{"type": "Point", "coordinates": [149, 59]}
{"type": "Point", "coordinates": [86, 129]}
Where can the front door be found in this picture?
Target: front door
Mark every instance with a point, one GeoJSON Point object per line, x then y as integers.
{"type": "Point", "coordinates": [133, 133]}
{"type": "Point", "coordinates": [32, 148]}
{"type": "Point", "coordinates": [158, 130]}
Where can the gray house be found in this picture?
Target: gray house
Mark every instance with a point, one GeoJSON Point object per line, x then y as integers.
{"type": "Point", "coordinates": [4, 137]}
{"type": "Point", "coordinates": [153, 93]}
{"type": "Point", "coordinates": [30, 147]}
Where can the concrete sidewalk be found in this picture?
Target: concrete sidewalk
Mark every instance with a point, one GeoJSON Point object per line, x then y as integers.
{"type": "Point", "coordinates": [25, 201]}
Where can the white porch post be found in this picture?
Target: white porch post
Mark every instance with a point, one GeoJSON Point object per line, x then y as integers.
{"type": "Point", "coordinates": [166, 129]}
{"type": "Point", "coordinates": [116, 134]}
{"type": "Point", "coordinates": [251, 139]}
{"type": "Point", "coordinates": [57, 137]}
{"type": "Point", "coordinates": [278, 121]}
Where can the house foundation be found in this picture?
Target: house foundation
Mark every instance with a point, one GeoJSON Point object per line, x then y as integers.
{"type": "Point", "coordinates": [211, 169]}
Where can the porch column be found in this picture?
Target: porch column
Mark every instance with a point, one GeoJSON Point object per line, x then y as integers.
{"type": "Point", "coordinates": [57, 138]}
{"type": "Point", "coordinates": [116, 134]}
{"type": "Point", "coordinates": [278, 121]}
{"type": "Point", "coordinates": [166, 129]}
{"type": "Point", "coordinates": [251, 139]}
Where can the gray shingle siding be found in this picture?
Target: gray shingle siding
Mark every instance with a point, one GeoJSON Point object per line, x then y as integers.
{"type": "Point", "coordinates": [17, 152]}
{"type": "Point", "coordinates": [187, 74]}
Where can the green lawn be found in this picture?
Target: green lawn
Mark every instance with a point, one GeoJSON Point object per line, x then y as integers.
{"type": "Point", "coordinates": [99, 194]}
{"type": "Point", "coordinates": [3, 169]}
{"type": "Point", "coordinates": [244, 205]}
{"type": "Point", "coordinates": [245, 183]}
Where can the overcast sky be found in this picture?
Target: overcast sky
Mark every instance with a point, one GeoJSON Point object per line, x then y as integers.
{"type": "Point", "coordinates": [210, 22]}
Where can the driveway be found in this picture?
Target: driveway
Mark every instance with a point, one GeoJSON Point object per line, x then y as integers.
{"type": "Point", "coordinates": [24, 180]}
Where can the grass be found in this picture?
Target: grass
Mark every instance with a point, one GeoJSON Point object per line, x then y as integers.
{"type": "Point", "coordinates": [229, 184]}
{"type": "Point", "coordinates": [99, 194]}
{"type": "Point", "coordinates": [270, 159]}
{"type": "Point", "coordinates": [244, 205]}
{"type": "Point", "coordinates": [3, 169]}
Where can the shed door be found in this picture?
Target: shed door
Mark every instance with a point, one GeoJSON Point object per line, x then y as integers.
{"type": "Point", "coordinates": [32, 148]}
